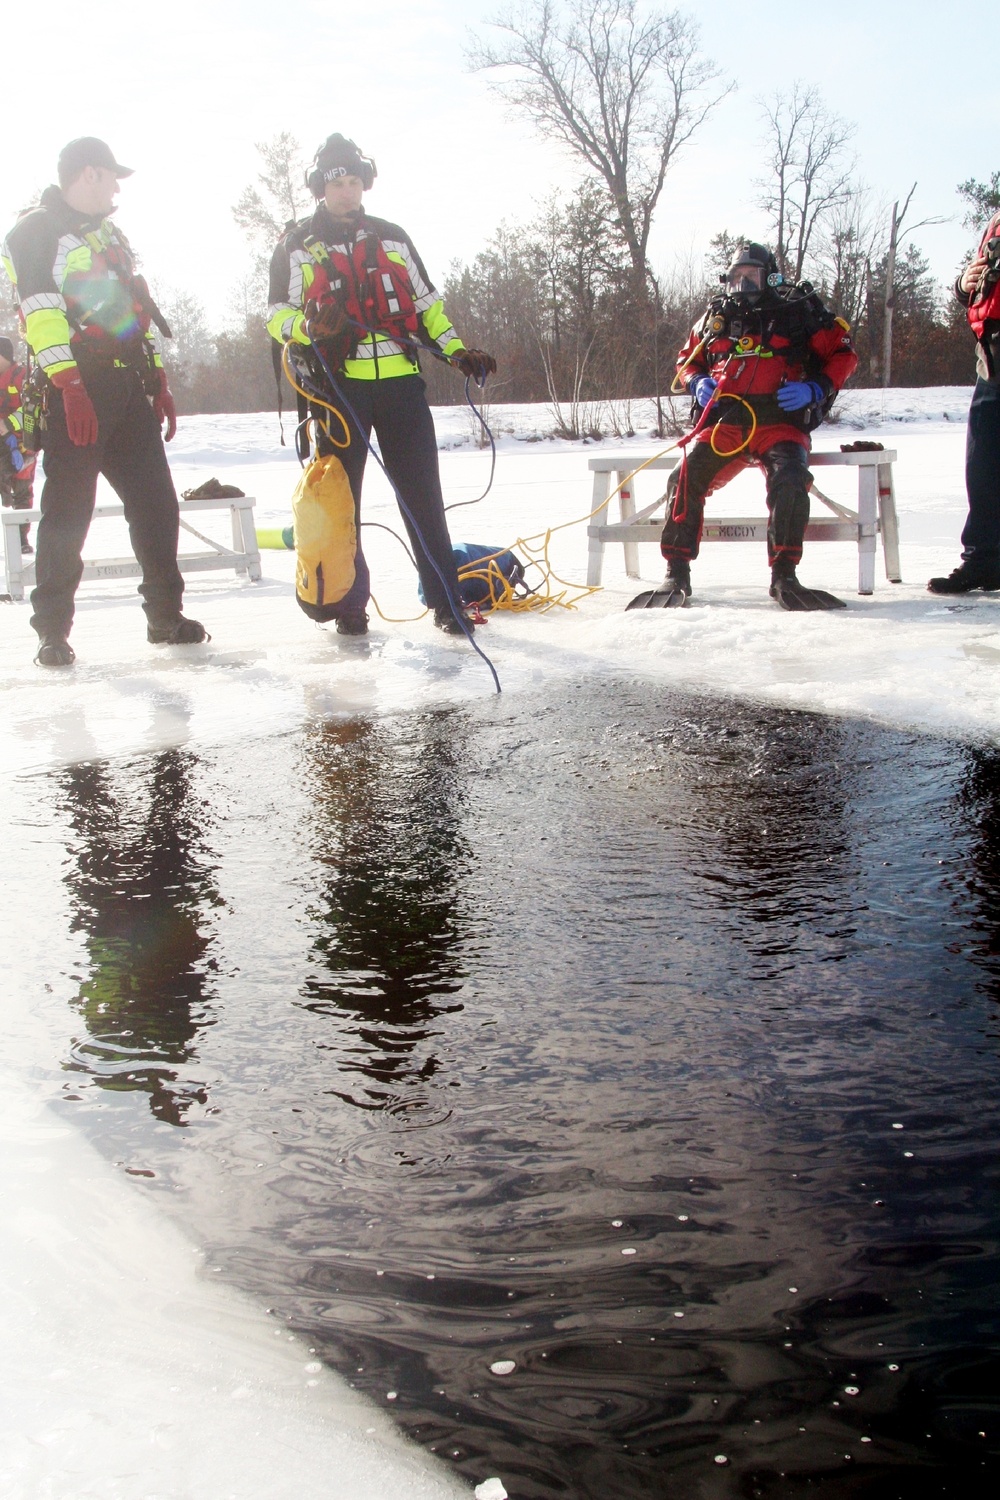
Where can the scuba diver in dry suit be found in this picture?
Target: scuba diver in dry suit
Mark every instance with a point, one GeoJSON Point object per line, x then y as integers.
{"type": "Point", "coordinates": [785, 356]}
{"type": "Point", "coordinates": [352, 288]}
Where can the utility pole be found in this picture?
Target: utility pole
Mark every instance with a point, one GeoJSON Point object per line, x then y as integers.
{"type": "Point", "coordinates": [890, 294]}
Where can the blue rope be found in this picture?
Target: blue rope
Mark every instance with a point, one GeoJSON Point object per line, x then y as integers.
{"type": "Point", "coordinates": [456, 605]}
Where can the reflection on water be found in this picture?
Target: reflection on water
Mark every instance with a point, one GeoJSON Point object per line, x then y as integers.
{"type": "Point", "coordinates": [650, 1044]}
{"type": "Point", "coordinates": [143, 897]}
{"type": "Point", "coordinates": [385, 837]}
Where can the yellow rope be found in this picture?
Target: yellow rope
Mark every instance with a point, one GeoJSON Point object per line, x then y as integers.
{"type": "Point", "coordinates": [314, 400]}
{"type": "Point", "coordinates": [501, 593]}
{"type": "Point", "coordinates": [732, 452]}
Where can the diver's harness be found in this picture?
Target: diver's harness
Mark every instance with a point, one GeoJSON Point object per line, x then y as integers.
{"type": "Point", "coordinates": [797, 315]}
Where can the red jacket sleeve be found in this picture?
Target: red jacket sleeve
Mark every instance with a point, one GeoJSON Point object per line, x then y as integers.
{"type": "Point", "coordinates": [834, 349]}
{"type": "Point", "coordinates": [690, 365]}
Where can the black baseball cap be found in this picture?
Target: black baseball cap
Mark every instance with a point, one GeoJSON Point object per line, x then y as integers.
{"type": "Point", "coordinates": [88, 151]}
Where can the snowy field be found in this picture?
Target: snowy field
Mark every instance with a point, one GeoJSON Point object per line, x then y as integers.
{"type": "Point", "coordinates": [78, 1242]}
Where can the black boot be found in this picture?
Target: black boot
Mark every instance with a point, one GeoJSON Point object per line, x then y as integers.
{"type": "Point", "coordinates": [177, 631]}
{"type": "Point", "coordinates": [445, 619]}
{"type": "Point", "coordinates": [673, 593]}
{"type": "Point", "coordinates": [792, 595]}
{"type": "Point", "coordinates": [352, 622]}
{"type": "Point", "coordinates": [980, 570]}
{"type": "Point", "coordinates": [54, 650]}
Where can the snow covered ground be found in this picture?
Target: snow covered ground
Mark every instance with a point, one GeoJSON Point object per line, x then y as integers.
{"type": "Point", "coordinates": [75, 1242]}
{"type": "Point", "coordinates": [901, 655]}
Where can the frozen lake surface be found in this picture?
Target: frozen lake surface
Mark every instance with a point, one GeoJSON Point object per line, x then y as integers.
{"type": "Point", "coordinates": [600, 1077]}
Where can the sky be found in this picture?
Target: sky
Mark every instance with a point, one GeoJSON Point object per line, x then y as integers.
{"type": "Point", "coordinates": [182, 93]}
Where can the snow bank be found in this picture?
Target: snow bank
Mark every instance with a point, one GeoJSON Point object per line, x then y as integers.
{"type": "Point", "coordinates": [128, 1374]}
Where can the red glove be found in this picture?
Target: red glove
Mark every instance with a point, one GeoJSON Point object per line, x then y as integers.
{"type": "Point", "coordinates": [81, 418]}
{"type": "Point", "coordinates": [163, 405]}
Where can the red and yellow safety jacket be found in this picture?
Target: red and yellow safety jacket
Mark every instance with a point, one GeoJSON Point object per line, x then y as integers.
{"type": "Point", "coordinates": [370, 267]}
{"type": "Point", "coordinates": [11, 384]}
{"type": "Point", "coordinates": [751, 351]}
{"type": "Point", "coordinates": [78, 292]}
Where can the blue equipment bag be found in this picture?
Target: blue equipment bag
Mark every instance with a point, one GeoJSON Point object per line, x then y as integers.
{"type": "Point", "coordinates": [476, 590]}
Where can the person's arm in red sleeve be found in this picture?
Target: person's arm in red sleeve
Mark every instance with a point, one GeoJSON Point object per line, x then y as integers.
{"type": "Point", "coordinates": [691, 365]}
{"type": "Point", "coordinates": [834, 349]}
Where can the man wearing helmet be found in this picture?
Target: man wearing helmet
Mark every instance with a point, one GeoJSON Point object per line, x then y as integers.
{"type": "Point", "coordinates": [350, 294]}
{"type": "Point", "coordinates": [763, 369]}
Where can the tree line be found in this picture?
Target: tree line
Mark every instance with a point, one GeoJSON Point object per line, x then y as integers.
{"type": "Point", "coordinates": [566, 299]}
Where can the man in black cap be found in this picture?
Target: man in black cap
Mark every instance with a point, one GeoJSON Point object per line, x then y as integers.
{"type": "Point", "coordinates": [89, 320]}
{"type": "Point", "coordinates": [17, 468]}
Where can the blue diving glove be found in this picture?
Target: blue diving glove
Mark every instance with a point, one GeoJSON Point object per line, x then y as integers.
{"type": "Point", "coordinates": [703, 389]}
{"type": "Point", "coordinates": [799, 393]}
{"type": "Point", "coordinates": [16, 459]}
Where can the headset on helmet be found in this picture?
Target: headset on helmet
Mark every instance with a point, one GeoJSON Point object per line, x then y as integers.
{"type": "Point", "coordinates": [339, 157]}
{"type": "Point", "coordinates": [752, 255]}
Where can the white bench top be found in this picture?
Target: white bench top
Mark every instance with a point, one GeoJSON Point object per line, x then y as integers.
{"type": "Point", "coordinates": [623, 463]}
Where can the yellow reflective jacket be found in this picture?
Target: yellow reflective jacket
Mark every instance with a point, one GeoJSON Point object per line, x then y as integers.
{"type": "Point", "coordinates": [74, 278]}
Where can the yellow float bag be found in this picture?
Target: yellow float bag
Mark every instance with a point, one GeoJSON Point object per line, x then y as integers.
{"type": "Point", "coordinates": [326, 537]}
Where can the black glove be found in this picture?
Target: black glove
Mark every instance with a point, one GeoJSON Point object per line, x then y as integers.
{"type": "Point", "coordinates": [475, 363]}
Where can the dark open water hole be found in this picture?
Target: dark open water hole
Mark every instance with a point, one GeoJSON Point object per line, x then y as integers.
{"type": "Point", "coordinates": [401, 1016]}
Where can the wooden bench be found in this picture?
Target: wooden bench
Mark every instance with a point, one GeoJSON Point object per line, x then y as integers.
{"type": "Point", "coordinates": [243, 557]}
{"type": "Point", "coordinates": [875, 516]}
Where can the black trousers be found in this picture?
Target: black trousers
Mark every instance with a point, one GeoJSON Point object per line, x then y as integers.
{"type": "Point", "coordinates": [397, 409]}
{"type": "Point", "coordinates": [129, 453]}
{"type": "Point", "coordinates": [982, 470]}
{"type": "Point", "coordinates": [786, 470]}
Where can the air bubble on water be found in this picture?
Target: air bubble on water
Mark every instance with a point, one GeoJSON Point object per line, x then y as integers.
{"type": "Point", "coordinates": [907, 1153]}
{"type": "Point", "coordinates": [313, 1367]}
{"type": "Point", "coordinates": [682, 1218]}
{"type": "Point", "coordinates": [793, 1288]}
{"type": "Point", "coordinates": [897, 1125]}
{"type": "Point", "coordinates": [616, 1223]}
{"type": "Point", "coordinates": [503, 1367]}
{"type": "Point", "coordinates": [629, 1251]}
{"type": "Point", "coordinates": [390, 1395]}
{"type": "Point", "coordinates": [678, 1315]}
{"type": "Point", "coordinates": [851, 1390]}
{"type": "Point", "coordinates": [720, 1458]}
{"type": "Point", "coordinates": [893, 1367]}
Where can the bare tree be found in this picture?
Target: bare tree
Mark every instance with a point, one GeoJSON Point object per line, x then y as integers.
{"type": "Point", "coordinates": [809, 174]}
{"type": "Point", "coordinates": [851, 238]}
{"type": "Point", "coordinates": [622, 87]}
